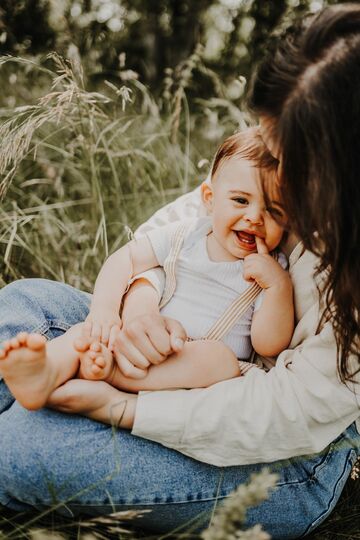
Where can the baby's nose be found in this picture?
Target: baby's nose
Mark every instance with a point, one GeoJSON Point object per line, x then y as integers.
{"type": "Point", "coordinates": [254, 215]}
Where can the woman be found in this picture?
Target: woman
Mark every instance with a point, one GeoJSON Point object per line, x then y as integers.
{"type": "Point", "coordinates": [306, 94]}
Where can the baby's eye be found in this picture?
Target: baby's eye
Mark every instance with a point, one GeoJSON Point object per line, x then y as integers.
{"type": "Point", "coordinates": [240, 200]}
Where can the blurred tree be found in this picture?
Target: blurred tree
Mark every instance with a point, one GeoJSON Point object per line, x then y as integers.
{"type": "Point", "coordinates": [24, 26]}
{"type": "Point", "coordinates": [153, 34]}
{"type": "Point", "coordinates": [159, 34]}
{"type": "Point", "coordinates": [267, 16]}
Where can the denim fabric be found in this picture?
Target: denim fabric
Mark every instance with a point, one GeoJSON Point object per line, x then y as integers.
{"type": "Point", "coordinates": [80, 466]}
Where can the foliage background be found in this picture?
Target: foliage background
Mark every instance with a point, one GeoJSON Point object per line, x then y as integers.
{"type": "Point", "coordinates": [153, 35]}
{"type": "Point", "coordinates": [127, 124]}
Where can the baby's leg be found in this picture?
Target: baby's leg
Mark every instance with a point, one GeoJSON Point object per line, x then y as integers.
{"type": "Point", "coordinates": [33, 368]}
{"type": "Point", "coordinates": [200, 364]}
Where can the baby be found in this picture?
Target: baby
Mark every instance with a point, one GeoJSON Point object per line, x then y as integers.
{"type": "Point", "coordinates": [215, 269]}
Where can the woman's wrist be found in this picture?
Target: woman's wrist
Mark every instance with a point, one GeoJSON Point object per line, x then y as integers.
{"type": "Point", "coordinates": [122, 411]}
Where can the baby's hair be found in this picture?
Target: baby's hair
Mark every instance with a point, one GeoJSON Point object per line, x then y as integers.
{"type": "Point", "coordinates": [247, 145]}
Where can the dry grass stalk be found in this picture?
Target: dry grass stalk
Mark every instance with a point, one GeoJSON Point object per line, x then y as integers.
{"type": "Point", "coordinates": [230, 516]}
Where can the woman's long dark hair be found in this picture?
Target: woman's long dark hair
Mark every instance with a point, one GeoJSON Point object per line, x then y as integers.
{"type": "Point", "coordinates": [308, 88]}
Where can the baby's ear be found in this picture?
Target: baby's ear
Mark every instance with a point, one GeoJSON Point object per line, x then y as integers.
{"type": "Point", "coordinates": [207, 195]}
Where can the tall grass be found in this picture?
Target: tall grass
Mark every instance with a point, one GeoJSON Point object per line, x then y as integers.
{"type": "Point", "coordinates": [80, 170]}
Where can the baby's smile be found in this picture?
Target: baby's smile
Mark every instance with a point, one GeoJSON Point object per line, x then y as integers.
{"type": "Point", "coordinates": [246, 240]}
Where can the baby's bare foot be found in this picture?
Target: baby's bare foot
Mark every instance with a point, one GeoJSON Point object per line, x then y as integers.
{"type": "Point", "coordinates": [24, 366]}
{"type": "Point", "coordinates": [96, 360]}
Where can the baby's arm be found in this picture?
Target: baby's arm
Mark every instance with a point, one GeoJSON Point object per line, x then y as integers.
{"type": "Point", "coordinates": [111, 283]}
{"type": "Point", "coordinates": [273, 324]}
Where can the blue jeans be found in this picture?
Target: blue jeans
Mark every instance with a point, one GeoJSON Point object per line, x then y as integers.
{"type": "Point", "coordinates": [75, 465]}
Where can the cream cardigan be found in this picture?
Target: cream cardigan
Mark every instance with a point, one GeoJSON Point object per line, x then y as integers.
{"type": "Point", "coordinates": [298, 407]}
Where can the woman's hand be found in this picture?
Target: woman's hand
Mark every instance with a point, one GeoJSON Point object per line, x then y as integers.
{"type": "Point", "coordinates": [97, 400]}
{"type": "Point", "coordinates": [145, 340]}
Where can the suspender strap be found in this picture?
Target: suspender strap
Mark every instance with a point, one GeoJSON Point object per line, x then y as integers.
{"type": "Point", "coordinates": [233, 313]}
{"type": "Point", "coordinates": [170, 263]}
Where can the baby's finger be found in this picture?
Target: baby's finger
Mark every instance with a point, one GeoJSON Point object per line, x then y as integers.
{"type": "Point", "coordinates": [248, 277]}
{"type": "Point", "coordinates": [248, 272]}
{"type": "Point", "coordinates": [115, 329]}
{"type": "Point", "coordinates": [148, 346]}
{"type": "Point", "coordinates": [105, 334]}
{"type": "Point", "coordinates": [261, 246]}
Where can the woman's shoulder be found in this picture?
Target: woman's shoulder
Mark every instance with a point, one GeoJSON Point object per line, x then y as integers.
{"type": "Point", "coordinates": [187, 206]}
{"type": "Point", "coordinates": [197, 228]}
{"type": "Point", "coordinates": [303, 272]}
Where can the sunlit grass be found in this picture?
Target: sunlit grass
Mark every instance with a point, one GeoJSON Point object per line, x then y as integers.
{"type": "Point", "coordinates": [80, 170]}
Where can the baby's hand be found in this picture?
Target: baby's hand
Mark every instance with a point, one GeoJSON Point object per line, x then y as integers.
{"type": "Point", "coordinates": [264, 269]}
{"type": "Point", "coordinates": [102, 326]}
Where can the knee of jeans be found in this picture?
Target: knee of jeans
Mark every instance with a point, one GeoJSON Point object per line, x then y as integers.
{"type": "Point", "coordinates": [23, 286]}
{"type": "Point", "coordinates": [59, 297]}
{"type": "Point", "coordinates": [24, 296]}
{"type": "Point", "coordinates": [35, 305]}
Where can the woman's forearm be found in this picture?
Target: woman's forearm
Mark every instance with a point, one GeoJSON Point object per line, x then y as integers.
{"type": "Point", "coordinates": [297, 408]}
{"type": "Point", "coordinates": [97, 400]}
{"type": "Point", "coordinates": [126, 414]}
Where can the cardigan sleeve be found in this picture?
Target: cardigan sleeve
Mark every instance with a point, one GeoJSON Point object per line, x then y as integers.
{"type": "Point", "coordinates": [298, 407]}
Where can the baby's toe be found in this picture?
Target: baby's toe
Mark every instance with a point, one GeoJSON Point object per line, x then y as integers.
{"type": "Point", "coordinates": [36, 341]}
{"type": "Point", "coordinates": [95, 369]}
{"type": "Point", "coordinates": [14, 343]}
{"type": "Point", "coordinates": [95, 346]}
{"type": "Point", "coordinates": [100, 361]}
{"type": "Point", "coordinates": [6, 346]}
{"type": "Point", "coordinates": [22, 337]}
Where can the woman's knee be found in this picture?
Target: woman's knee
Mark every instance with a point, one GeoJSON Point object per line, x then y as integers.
{"type": "Point", "coordinates": [29, 290]}
{"type": "Point", "coordinates": [40, 305]}
{"type": "Point", "coordinates": [21, 286]}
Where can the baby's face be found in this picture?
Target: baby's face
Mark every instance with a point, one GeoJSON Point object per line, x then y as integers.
{"type": "Point", "coordinates": [236, 202]}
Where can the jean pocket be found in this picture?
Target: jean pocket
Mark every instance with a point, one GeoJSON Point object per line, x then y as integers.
{"type": "Point", "coordinates": [52, 328]}
{"type": "Point", "coordinates": [303, 469]}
